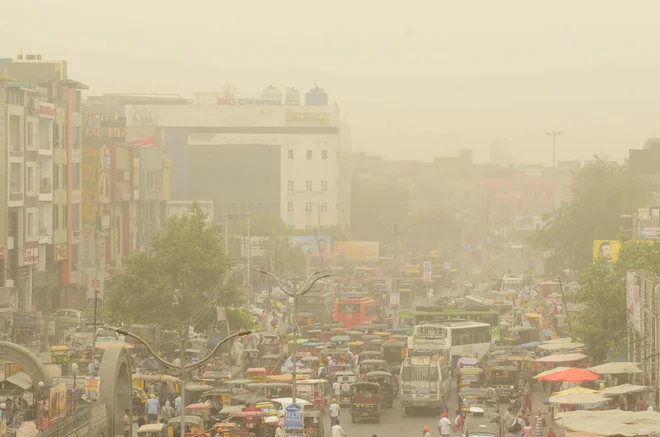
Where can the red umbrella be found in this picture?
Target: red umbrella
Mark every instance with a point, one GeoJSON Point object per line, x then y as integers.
{"type": "Point", "coordinates": [573, 374]}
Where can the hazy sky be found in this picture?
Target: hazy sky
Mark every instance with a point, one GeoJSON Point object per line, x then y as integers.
{"type": "Point", "coordinates": [415, 79]}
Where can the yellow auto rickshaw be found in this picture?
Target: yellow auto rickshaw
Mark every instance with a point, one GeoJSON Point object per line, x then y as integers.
{"type": "Point", "coordinates": [256, 374]}
{"type": "Point", "coordinates": [356, 347]}
{"type": "Point", "coordinates": [225, 429]}
{"type": "Point", "coordinates": [193, 424]}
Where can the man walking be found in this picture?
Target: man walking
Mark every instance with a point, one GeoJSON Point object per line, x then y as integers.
{"type": "Point", "coordinates": [334, 413]}
{"type": "Point", "coordinates": [444, 426]}
{"type": "Point", "coordinates": [153, 406]}
{"type": "Point", "coordinates": [338, 431]}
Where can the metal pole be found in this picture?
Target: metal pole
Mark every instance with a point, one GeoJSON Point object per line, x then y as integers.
{"type": "Point", "coordinates": [226, 225]}
{"type": "Point", "coordinates": [563, 298]}
{"type": "Point", "coordinates": [248, 250]}
{"type": "Point", "coordinates": [182, 385]}
{"type": "Point", "coordinates": [91, 402]}
{"type": "Point", "coordinates": [295, 341]}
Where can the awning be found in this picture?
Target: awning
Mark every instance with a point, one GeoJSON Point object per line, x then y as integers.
{"type": "Point", "coordinates": [562, 358]}
{"type": "Point", "coordinates": [574, 390]}
{"type": "Point", "coordinates": [624, 389]}
{"type": "Point", "coordinates": [573, 374]}
{"type": "Point", "coordinates": [614, 368]}
{"type": "Point", "coordinates": [20, 379]}
{"type": "Point", "coordinates": [551, 371]}
{"type": "Point", "coordinates": [610, 422]}
{"type": "Point", "coordinates": [579, 399]}
{"type": "Point", "coordinates": [560, 346]}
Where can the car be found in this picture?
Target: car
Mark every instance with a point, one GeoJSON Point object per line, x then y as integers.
{"type": "Point", "coordinates": [106, 334]}
{"type": "Point", "coordinates": [67, 318]}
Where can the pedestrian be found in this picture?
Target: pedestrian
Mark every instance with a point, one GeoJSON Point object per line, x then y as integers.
{"type": "Point", "coordinates": [177, 404]}
{"type": "Point", "coordinates": [141, 421]}
{"type": "Point", "coordinates": [539, 424]}
{"type": "Point", "coordinates": [153, 406]}
{"type": "Point", "coordinates": [445, 426]}
{"type": "Point", "coordinates": [518, 425]}
{"type": "Point", "coordinates": [425, 432]}
{"type": "Point", "coordinates": [280, 430]}
{"type": "Point", "coordinates": [337, 430]}
{"type": "Point", "coordinates": [127, 423]}
{"type": "Point", "coordinates": [550, 433]}
{"type": "Point", "coordinates": [458, 421]}
{"type": "Point", "coordinates": [334, 412]}
{"type": "Point", "coordinates": [508, 417]}
{"type": "Point", "coordinates": [443, 405]}
{"type": "Point", "coordinates": [431, 297]}
{"type": "Point", "coordinates": [336, 388]}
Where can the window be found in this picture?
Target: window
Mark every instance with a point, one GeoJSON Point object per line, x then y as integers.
{"type": "Point", "coordinates": [31, 129]}
{"type": "Point", "coordinates": [308, 185]}
{"type": "Point", "coordinates": [290, 153]}
{"type": "Point", "coordinates": [75, 219]}
{"type": "Point", "coordinates": [76, 176]}
{"type": "Point", "coordinates": [308, 206]}
{"type": "Point", "coordinates": [31, 225]}
{"type": "Point", "coordinates": [30, 178]}
{"type": "Point", "coordinates": [65, 176]}
{"type": "Point", "coordinates": [290, 186]}
{"type": "Point", "coordinates": [56, 176]}
{"type": "Point", "coordinates": [289, 207]}
{"type": "Point", "coordinates": [324, 185]}
{"type": "Point", "coordinates": [324, 154]}
{"type": "Point", "coordinates": [65, 217]}
{"type": "Point", "coordinates": [15, 133]}
{"type": "Point", "coordinates": [56, 217]}
{"type": "Point", "coordinates": [56, 135]}
{"type": "Point", "coordinates": [15, 178]}
{"type": "Point", "coordinates": [309, 154]}
{"type": "Point", "coordinates": [75, 140]}
{"type": "Point", "coordinates": [324, 206]}
{"type": "Point", "coordinates": [151, 180]}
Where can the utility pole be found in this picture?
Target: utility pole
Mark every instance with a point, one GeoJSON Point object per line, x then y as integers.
{"type": "Point", "coordinates": [554, 134]}
{"type": "Point", "coordinates": [306, 287]}
{"type": "Point", "coordinates": [182, 368]}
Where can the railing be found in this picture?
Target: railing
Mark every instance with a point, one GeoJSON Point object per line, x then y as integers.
{"type": "Point", "coordinates": [68, 425]}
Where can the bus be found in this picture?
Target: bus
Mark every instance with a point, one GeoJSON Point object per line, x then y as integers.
{"type": "Point", "coordinates": [424, 381]}
{"type": "Point", "coordinates": [353, 310]}
{"type": "Point", "coordinates": [513, 283]}
{"type": "Point", "coordinates": [467, 339]}
{"type": "Point", "coordinates": [316, 302]}
{"type": "Point", "coordinates": [501, 306]}
{"type": "Point", "coordinates": [448, 315]}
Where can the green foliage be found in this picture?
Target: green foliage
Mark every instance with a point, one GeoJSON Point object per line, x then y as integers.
{"type": "Point", "coordinates": [604, 191]}
{"type": "Point", "coordinates": [239, 319]}
{"type": "Point", "coordinates": [179, 283]}
{"type": "Point", "coordinates": [602, 324]}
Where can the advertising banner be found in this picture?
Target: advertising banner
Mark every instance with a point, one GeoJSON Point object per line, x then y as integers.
{"type": "Point", "coordinates": [428, 272]}
{"type": "Point", "coordinates": [650, 232]}
{"type": "Point", "coordinates": [57, 402]}
{"type": "Point", "coordinates": [312, 245]}
{"type": "Point", "coordinates": [607, 249]}
{"type": "Point", "coordinates": [356, 250]}
{"type": "Point", "coordinates": [633, 301]}
{"type": "Point", "coordinates": [86, 252]}
{"type": "Point", "coordinates": [92, 384]}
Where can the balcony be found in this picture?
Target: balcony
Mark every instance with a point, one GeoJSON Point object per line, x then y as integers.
{"type": "Point", "coordinates": [46, 149]}
{"type": "Point", "coordinates": [46, 190]}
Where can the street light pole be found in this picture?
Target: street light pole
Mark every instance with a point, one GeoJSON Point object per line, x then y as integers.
{"type": "Point", "coordinates": [307, 286]}
{"type": "Point", "coordinates": [554, 134]}
{"type": "Point", "coordinates": [182, 368]}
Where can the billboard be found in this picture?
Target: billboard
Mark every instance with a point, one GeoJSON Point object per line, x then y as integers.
{"type": "Point", "coordinates": [356, 250]}
{"type": "Point", "coordinates": [633, 301]}
{"type": "Point", "coordinates": [607, 249]}
{"type": "Point", "coordinates": [312, 245]}
{"type": "Point", "coordinates": [57, 402]}
{"type": "Point", "coordinates": [650, 232]}
{"type": "Point", "coordinates": [528, 223]}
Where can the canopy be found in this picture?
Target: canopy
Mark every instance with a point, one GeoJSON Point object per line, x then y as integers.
{"type": "Point", "coordinates": [574, 390]}
{"type": "Point", "coordinates": [624, 389]}
{"type": "Point", "coordinates": [20, 379]}
{"type": "Point", "coordinates": [528, 345]}
{"type": "Point", "coordinates": [551, 371]}
{"type": "Point", "coordinates": [559, 340]}
{"type": "Point", "coordinates": [579, 399]}
{"type": "Point", "coordinates": [573, 374]}
{"type": "Point", "coordinates": [626, 423]}
{"type": "Point", "coordinates": [563, 358]}
{"type": "Point", "coordinates": [560, 346]}
{"type": "Point", "coordinates": [615, 368]}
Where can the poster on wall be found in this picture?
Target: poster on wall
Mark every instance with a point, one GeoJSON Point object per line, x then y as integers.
{"type": "Point", "coordinates": [313, 246]}
{"type": "Point", "coordinates": [356, 250]}
{"type": "Point", "coordinates": [607, 250]}
{"type": "Point", "coordinates": [57, 402]}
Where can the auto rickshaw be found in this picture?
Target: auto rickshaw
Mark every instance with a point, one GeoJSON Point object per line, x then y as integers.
{"type": "Point", "coordinates": [236, 384]}
{"type": "Point", "coordinates": [311, 348]}
{"type": "Point", "coordinates": [367, 366]}
{"type": "Point", "coordinates": [504, 379]}
{"type": "Point", "coordinates": [166, 382]}
{"type": "Point", "coordinates": [394, 351]}
{"type": "Point", "coordinates": [313, 423]}
{"type": "Point", "coordinates": [225, 429]}
{"type": "Point", "coordinates": [200, 409]}
{"type": "Point", "coordinates": [193, 424]}
{"type": "Point", "coordinates": [340, 339]}
{"type": "Point", "coordinates": [370, 355]}
{"type": "Point", "coordinates": [346, 381]}
{"type": "Point", "coordinates": [480, 428]}
{"type": "Point", "coordinates": [356, 347]}
{"type": "Point", "coordinates": [287, 377]}
{"type": "Point", "coordinates": [218, 397]}
{"type": "Point", "coordinates": [249, 421]}
{"type": "Point", "coordinates": [472, 377]}
{"type": "Point", "coordinates": [366, 338]}
{"type": "Point", "coordinates": [467, 396]}
{"type": "Point", "coordinates": [305, 319]}
{"type": "Point", "coordinates": [383, 334]}
{"type": "Point", "coordinates": [337, 354]}
{"type": "Point", "coordinates": [313, 335]}
{"type": "Point", "coordinates": [153, 430]}
{"type": "Point", "coordinates": [365, 401]}
{"type": "Point", "coordinates": [386, 382]}
{"type": "Point", "coordinates": [272, 363]}
{"type": "Point", "coordinates": [195, 391]}
{"type": "Point", "coordinates": [256, 374]}
{"type": "Point", "coordinates": [374, 344]}
{"type": "Point", "coordinates": [269, 344]}
{"type": "Point", "coordinates": [355, 335]}
{"type": "Point", "coordinates": [250, 358]}
{"type": "Point", "coordinates": [315, 391]}
{"type": "Point", "coordinates": [405, 297]}
{"type": "Point", "coordinates": [271, 389]}
{"type": "Point", "coordinates": [339, 329]}
{"type": "Point", "coordinates": [216, 376]}
{"type": "Point", "coordinates": [325, 336]}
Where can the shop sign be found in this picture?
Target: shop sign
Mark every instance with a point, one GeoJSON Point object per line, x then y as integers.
{"type": "Point", "coordinates": [61, 252]}
{"type": "Point", "coordinates": [47, 110]}
{"type": "Point", "coordinates": [102, 116]}
{"type": "Point", "coordinates": [106, 132]}
{"type": "Point", "coordinates": [87, 249]}
{"type": "Point", "coordinates": [30, 256]}
{"type": "Point", "coordinates": [313, 117]}
{"type": "Point", "coordinates": [230, 101]}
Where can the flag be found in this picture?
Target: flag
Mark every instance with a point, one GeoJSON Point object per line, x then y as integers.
{"type": "Point", "coordinates": [146, 142]}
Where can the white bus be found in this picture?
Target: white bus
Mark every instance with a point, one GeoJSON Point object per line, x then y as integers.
{"type": "Point", "coordinates": [467, 339]}
{"type": "Point", "coordinates": [513, 283]}
{"type": "Point", "coordinates": [424, 381]}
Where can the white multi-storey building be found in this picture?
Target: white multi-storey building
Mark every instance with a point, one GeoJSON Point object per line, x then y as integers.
{"type": "Point", "coordinates": [267, 155]}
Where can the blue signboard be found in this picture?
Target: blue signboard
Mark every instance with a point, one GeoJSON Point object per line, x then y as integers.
{"type": "Point", "coordinates": [293, 417]}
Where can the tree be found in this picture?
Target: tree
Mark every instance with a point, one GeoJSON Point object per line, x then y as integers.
{"type": "Point", "coordinates": [604, 191]}
{"type": "Point", "coordinates": [180, 282]}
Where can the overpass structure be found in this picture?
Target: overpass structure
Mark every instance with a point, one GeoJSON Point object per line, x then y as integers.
{"type": "Point", "coordinates": [115, 394]}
